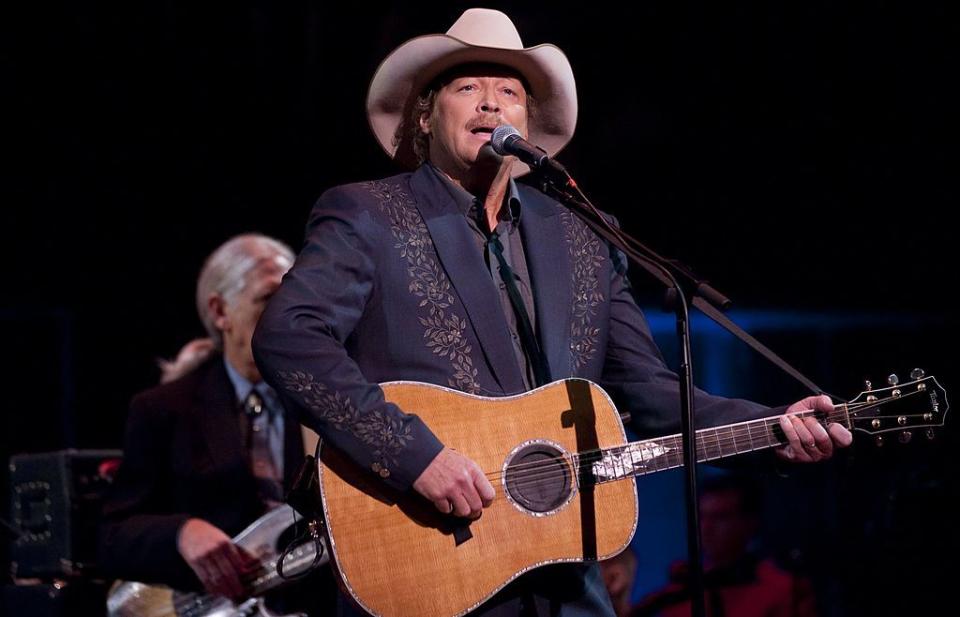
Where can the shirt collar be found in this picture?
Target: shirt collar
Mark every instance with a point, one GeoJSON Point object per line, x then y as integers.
{"type": "Point", "coordinates": [242, 387]}
{"type": "Point", "coordinates": [468, 205]}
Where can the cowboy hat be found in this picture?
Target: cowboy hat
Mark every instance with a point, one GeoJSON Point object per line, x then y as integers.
{"type": "Point", "coordinates": [478, 36]}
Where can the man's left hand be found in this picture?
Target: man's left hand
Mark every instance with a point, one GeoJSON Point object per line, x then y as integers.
{"type": "Point", "coordinates": [808, 440]}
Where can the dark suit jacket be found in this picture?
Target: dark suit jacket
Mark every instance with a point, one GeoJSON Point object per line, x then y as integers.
{"type": "Point", "coordinates": [389, 286]}
{"type": "Point", "coordinates": [183, 457]}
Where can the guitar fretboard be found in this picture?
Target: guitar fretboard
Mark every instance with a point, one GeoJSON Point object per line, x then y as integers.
{"type": "Point", "coordinates": [653, 455]}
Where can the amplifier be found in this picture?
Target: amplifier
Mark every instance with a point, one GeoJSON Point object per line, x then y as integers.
{"type": "Point", "coordinates": [55, 505]}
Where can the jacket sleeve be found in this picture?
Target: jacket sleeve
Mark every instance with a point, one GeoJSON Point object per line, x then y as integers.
{"type": "Point", "coordinates": [299, 346]}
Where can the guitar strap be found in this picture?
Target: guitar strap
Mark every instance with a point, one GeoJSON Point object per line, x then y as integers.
{"type": "Point", "coordinates": [304, 497]}
{"type": "Point", "coordinates": [304, 494]}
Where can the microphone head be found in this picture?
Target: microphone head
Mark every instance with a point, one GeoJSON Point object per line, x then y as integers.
{"type": "Point", "coordinates": [500, 136]}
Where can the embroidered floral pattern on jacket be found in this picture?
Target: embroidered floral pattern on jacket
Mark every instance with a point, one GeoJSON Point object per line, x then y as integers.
{"type": "Point", "coordinates": [586, 255]}
{"type": "Point", "coordinates": [385, 435]}
{"type": "Point", "coordinates": [445, 331]}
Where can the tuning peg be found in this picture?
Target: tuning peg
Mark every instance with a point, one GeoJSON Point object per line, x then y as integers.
{"type": "Point", "coordinates": [906, 436]}
{"type": "Point", "coordinates": [893, 379]}
{"type": "Point", "coordinates": [868, 384]}
{"type": "Point", "coordinates": [931, 434]}
{"type": "Point", "coordinates": [879, 440]}
{"type": "Point", "coordinates": [917, 373]}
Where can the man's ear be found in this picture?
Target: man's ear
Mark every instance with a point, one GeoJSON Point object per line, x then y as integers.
{"type": "Point", "coordinates": [425, 123]}
{"type": "Point", "coordinates": [218, 310]}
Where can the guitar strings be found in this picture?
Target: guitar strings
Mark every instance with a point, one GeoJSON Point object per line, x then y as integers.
{"type": "Point", "coordinates": [541, 470]}
{"type": "Point", "coordinates": [742, 432]}
{"type": "Point", "coordinates": [548, 468]}
{"type": "Point", "coordinates": [725, 441]}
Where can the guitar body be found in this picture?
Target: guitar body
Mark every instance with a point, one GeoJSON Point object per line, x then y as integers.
{"type": "Point", "coordinates": [262, 539]}
{"type": "Point", "coordinates": [399, 557]}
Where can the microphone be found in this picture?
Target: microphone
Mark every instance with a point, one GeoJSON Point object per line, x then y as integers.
{"type": "Point", "coordinates": [506, 140]}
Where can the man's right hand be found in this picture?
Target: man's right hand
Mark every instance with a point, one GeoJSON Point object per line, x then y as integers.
{"type": "Point", "coordinates": [455, 484]}
{"type": "Point", "coordinates": [220, 564]}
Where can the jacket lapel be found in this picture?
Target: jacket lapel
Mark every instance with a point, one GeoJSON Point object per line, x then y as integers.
{"type": "Point", "coordinates": [469, 276]}
{"type": "Point", "coordinates": [548, 259]}
{"type": "Point", "coordinates": [220, 423]}
{"type": "Point", "coordinates": [219, 419]}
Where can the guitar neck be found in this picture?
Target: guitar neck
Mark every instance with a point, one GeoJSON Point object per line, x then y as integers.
{"type": "Point", "coordinates": [652, 455]}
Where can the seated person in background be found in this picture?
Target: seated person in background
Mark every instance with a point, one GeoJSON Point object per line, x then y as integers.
{"type": "Point", "coordinates": [618, 575]}
{"type": "Point", "coordinates": [738, 582]}
{"type": "Point", "coordinates": [208, 453]}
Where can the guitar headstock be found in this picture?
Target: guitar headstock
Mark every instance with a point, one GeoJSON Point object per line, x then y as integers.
{"type": "Point", "coordinates": [906, 410]}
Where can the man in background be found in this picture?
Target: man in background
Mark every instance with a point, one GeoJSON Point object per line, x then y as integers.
{"type": "Point", "coordinates": [738, 581]}
{"type": "Point", "coordinates": [209, 452]}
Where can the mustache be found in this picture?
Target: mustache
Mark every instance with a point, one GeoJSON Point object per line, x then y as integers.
{"type": "Point", "coordinates": [485, 121]}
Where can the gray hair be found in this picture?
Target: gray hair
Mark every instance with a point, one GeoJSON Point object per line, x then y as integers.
{"type": "Point", "coordinates": [225, 271]}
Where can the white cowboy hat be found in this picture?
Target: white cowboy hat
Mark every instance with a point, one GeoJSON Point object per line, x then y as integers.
{"type": "Point", "coordinates": [484, 36]}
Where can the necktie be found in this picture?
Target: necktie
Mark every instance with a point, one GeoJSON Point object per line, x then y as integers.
{"type": "Point", "coordinates": [538, 361]}
{"type": "Point", "coordinates": [269, 482]}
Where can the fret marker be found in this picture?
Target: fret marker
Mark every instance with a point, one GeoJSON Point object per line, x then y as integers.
{"type": "Point", "coordinates": [634, 457]}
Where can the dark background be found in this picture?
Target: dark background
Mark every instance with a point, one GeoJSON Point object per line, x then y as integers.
{"type": "Point", "coordinates": [796, 154]}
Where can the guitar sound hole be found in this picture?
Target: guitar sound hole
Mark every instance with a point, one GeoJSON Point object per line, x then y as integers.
{"type": "Point", "coordinates": [538, 478]}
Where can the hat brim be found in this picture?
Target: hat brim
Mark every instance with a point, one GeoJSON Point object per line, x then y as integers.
{"type": "Point", "coordinates": [403, 75]}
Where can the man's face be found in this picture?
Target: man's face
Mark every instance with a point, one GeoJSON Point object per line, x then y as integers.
{"type": "Point", "coordinates": [242, 311]}
{"type": "Point", "coordinates": [725, 528]}
{"type": "Point", "coordinates": [465, 112]}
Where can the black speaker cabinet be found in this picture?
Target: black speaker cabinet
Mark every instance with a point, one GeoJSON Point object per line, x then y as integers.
{"type": "Point", "coordinates": [55, 503]}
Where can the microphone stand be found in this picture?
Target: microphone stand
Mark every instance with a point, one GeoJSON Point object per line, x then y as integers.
{"type": "Point", "coordinates": [662, 270]}
{"type": "Point", "coordinates": [556, 182]}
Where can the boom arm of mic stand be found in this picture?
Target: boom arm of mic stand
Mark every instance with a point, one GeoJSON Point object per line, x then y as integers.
{"type": "Point", "coordinates": [708, 300]}
{"type": "Point", "coordinates": [705, 297]}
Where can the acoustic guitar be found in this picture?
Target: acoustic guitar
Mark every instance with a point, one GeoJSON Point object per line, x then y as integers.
{"type": "Point", "coordinates": [563, 470]}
